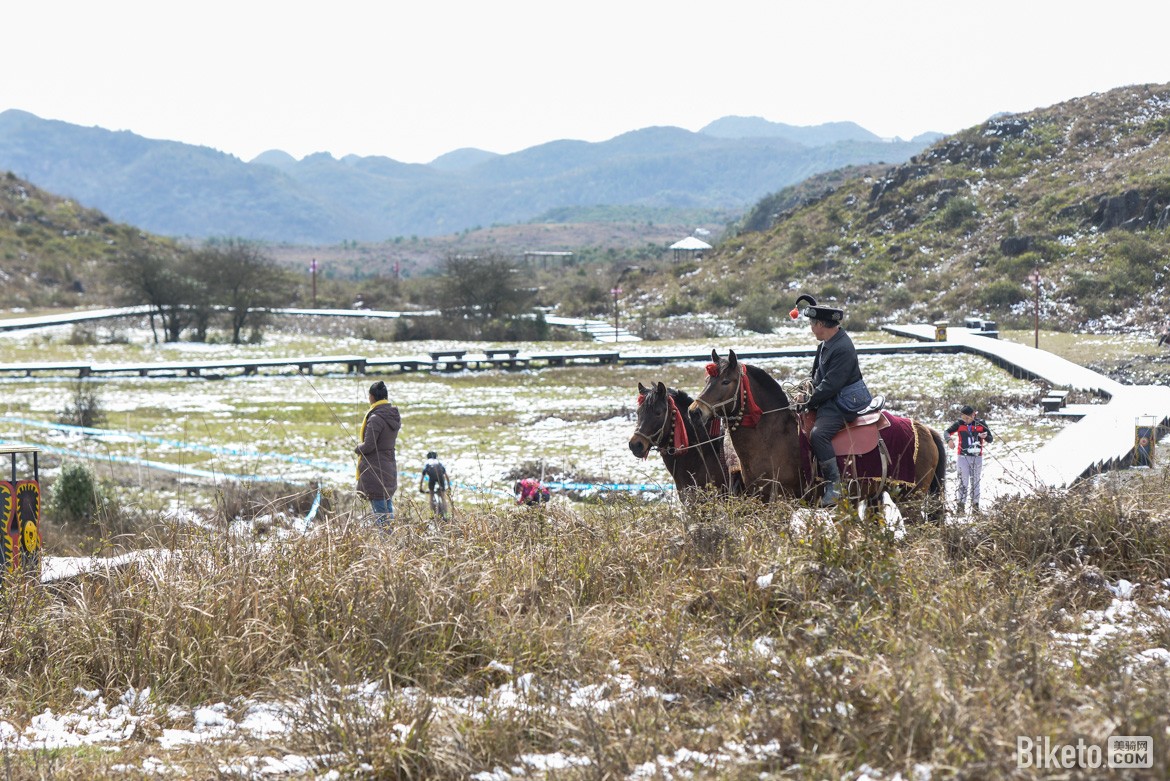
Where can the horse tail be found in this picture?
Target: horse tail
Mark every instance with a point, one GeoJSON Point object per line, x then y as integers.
{"type": "Point", "coordinates": [937, 491]}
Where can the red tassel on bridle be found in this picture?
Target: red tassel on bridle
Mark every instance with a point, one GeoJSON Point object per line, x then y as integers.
{"type": "Point", "coordinates": [712, 370]}
{"type": "Point", "coordinates": [641, 399]}
{"type": "Point", "coordinates": [680, 442]}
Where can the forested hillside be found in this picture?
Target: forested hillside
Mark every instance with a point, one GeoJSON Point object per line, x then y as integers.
{"type": "Point", "coordinates": [1079, 191]}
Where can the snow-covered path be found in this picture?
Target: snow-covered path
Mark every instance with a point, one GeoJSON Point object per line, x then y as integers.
{"type": "Point", "coordinates": [1102, 439]}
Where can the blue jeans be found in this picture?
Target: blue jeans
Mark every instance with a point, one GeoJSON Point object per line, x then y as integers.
{"type": "Point", "coordinates": [383, 512]}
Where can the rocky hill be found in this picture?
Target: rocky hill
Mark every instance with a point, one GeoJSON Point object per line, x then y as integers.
{"type": "Point", "coordinates": [54, 252]}
{"type": "Point", "coordinates": [177, 189]}
{"type": "Point", "coordinates": [1079, 191]}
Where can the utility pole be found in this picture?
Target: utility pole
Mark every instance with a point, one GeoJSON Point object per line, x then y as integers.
{"type": "Point", "coordinates": [1034, 278]}
{"type": "Point", "coordinates": [616, 291]}
{"type": "Point", "coordinates": [313, 272]}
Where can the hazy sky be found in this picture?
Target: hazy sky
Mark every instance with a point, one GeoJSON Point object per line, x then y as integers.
{"type": "Point", "coordinates": [412, 79]}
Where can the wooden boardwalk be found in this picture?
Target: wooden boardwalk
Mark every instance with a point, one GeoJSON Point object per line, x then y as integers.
{"type": "Point", "coordinates": [598, 330]}
{"type": "Point", "coordinates": [71, 318]}
{"type": "Point", "coordinates": [354, 364]}
{"type": "Point", "coordinates": [1102, 438]}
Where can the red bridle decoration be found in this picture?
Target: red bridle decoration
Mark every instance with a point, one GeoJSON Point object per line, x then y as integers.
{"type": "Point", "coordinates": [680, 430]}
{"type": "Point", "coordinates": [675, 417]}
{"type": "Point", "coordinates": [751, 411]}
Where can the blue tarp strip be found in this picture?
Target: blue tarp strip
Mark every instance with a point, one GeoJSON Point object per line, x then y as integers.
{"type": "Point", "coordinates": [319, 463]}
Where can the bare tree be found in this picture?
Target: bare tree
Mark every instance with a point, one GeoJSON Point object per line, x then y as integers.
{"type": "Point", "coordinates": [161, 282]}
{"type": "Point", "coordinates": [241, 279]}
{"type": "Point", "coordinates": [482, 288]}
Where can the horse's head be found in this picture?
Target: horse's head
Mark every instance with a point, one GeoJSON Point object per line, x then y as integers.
{"type": "Point", "coordinates": [721, 391]}
{"type": "Point", "coordinates": [653, 419]}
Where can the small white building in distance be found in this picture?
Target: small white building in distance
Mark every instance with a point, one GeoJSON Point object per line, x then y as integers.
{"type": "Point", "coordinates": [689, 246]}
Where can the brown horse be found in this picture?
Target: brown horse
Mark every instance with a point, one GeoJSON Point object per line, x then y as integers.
{"type": "Point", "coordinates": [693, 456]}
{"type": "Point", "coordinates": [765, 431]}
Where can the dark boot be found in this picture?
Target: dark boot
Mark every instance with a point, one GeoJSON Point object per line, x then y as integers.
{"type": "Point", "coordinates": [832, 478]}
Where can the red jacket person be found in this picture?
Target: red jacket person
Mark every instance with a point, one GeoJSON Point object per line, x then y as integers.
{"type": "Point", "coordinates": [973, 435]}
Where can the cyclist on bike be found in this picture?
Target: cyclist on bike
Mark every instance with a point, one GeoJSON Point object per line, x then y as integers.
{"type": "Point", "coordinates": [434, 476]}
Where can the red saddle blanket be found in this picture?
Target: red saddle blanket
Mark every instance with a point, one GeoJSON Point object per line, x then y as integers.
{"type": "Point", "coordinates": [857, 444]}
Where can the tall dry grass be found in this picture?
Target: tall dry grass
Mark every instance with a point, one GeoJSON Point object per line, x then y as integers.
{"type": "Point", "coordinates": [937, 648]}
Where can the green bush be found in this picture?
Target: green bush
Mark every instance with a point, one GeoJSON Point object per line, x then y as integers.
{"type": "Point", "coordinates": [75, 495]}
{"type": "Point", "coordinates": [899, 298]}
{"type": "Point", "coordinates": [1001, 294]}
{"type": "Point", "coordinates": [755, 313]}
{"type": "Point", "coordinates": [722, 295]}
{"type": "Point", "coordinates": [677, 304]}
{"type": "Point", "coordinates": [959, 213]}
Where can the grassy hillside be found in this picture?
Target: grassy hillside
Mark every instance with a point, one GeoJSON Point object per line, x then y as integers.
{"type": "Point", "coordinates": [1079, 190]}
{"type": "Point", "coordinates": [53, 252]}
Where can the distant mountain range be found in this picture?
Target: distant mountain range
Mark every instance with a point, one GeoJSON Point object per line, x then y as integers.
{"type": "Point", "coordinates": [182, 190]}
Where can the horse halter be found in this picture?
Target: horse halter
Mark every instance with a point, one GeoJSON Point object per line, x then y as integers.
{"type": "Point", "coordinates": [664, 431]}
{"type": "Point", "coordinates": [713, 409]}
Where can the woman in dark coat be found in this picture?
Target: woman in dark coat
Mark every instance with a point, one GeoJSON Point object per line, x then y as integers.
{"type": "Point", "coordinates": [377, 471]}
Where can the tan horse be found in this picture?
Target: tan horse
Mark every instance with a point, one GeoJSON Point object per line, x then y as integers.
{"type": "Point", "coordinates": [765, 431]}
{"type": "Point", "coordinates": [692, 456]}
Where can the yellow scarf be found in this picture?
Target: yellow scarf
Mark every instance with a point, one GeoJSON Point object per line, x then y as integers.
{"type": "Point", "coordinates": [362, 433]}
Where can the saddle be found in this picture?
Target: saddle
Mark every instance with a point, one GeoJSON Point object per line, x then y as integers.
{"type": "Point", "coordinates": [858, 437]}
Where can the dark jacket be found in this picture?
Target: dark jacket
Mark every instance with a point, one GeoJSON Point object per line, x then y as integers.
{"type": "Point", "coordinates": [969, 443]}
{"type": "Point", "coordinates": [834, 368]}
{"type": "Point", "coordinates": [377, 468]}
{"type": "Point", "coordinates": [435, 475]}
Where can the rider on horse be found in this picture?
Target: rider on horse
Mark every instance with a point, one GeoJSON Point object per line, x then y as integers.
{"type": "Point", "coordinates": [838, 390]}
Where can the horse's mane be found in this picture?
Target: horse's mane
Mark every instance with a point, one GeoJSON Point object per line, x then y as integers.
{"type": "Point", "coordinates": [680, 397]}
{"type": "Point", "coordinates": [683, 400]}
{"type": "Point", "coordinates": [767, 383]}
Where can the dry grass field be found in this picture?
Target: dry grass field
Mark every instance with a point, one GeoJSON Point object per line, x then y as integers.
{"type": "Point", "coordinates": [613, 638]}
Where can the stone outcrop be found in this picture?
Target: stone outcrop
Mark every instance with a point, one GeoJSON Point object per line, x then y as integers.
{"type": "Point", "coordinates": [1132, 210]}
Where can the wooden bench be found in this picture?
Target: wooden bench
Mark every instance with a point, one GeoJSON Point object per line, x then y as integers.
{"type": "Point", "coordinates": [1054, 400]}
{"type": "Point", "coordinates": [503, 357]}
{"type": "Point", "coordinates": [449, 360]}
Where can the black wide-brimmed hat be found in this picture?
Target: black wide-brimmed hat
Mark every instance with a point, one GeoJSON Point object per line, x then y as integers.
{"type": "Point", "coordinates": [815, 311]}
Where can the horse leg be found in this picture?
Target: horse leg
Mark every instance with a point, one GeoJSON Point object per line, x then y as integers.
{"type": "Point", "coordinates": [936, 493]}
